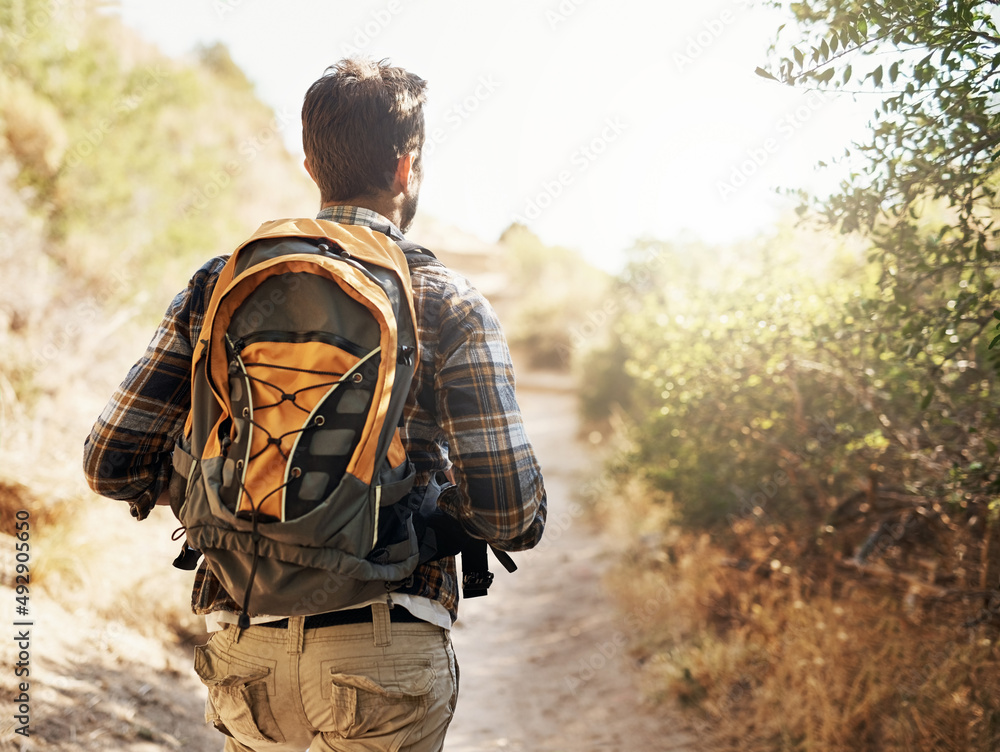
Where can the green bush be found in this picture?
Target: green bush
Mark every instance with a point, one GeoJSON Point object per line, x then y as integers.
{"type": "Point", "coordinates": [768, 388]}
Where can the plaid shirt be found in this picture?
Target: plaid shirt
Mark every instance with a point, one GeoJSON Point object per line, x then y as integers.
{"type": "Point", "coordinates": [465, 373]}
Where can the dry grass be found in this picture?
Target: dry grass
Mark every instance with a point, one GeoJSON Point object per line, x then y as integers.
{"type": "Point", "coordinates": [769, 668]}
{"type": "Point", "coordinates": [15, 497]}
{"type": "Point", "coordinates": [93, 556]}
{"type": "Point", "coordinates": [781, 660]}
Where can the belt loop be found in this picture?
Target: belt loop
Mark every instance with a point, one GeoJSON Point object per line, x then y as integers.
{"type": "Point", "coordinates": [381, 625]}
{"type": "Point", "coordinates": [296, 634]}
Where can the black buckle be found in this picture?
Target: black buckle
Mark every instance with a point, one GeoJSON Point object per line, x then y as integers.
{"type": "Point", "coordinates": [187, 559]}
{"type": "Point", "coordinates": [476, 584]}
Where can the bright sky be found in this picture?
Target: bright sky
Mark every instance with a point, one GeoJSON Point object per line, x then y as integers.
{"type": "Point", "coordinates": [595, 122]}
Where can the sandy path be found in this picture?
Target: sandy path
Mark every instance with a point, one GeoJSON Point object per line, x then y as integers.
{"type": "Point", "coordinates": [543, 659]}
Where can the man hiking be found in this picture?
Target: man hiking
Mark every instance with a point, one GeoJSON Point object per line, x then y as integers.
{"type": "Point", "coordinates": [379, 674]}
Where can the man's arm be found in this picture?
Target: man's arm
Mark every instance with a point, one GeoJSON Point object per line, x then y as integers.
{"type": "Point", "coordinates": [127, 455]}
{"type": "Point", "coordinates": [501, 496]}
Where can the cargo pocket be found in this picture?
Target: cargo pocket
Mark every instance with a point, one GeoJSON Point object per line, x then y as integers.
{"type": "Point", "coordinates": [237, 697]}
{"type": "Point", "coordinates": [382, 700]}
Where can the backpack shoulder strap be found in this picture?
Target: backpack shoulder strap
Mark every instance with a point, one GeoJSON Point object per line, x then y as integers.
{"type": "Point", "coordinates": [416, 254]}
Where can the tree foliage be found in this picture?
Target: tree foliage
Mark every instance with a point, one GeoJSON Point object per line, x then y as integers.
{"type": "Point", "coordinates": [130, 158]}
{"type": "Point", "coordinates": [871, 375]}
{"type": "Point", "coordinates": [924, 187]}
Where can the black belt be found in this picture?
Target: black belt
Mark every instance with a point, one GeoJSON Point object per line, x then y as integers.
{"type": "Point", "coordinates": [347, 616]}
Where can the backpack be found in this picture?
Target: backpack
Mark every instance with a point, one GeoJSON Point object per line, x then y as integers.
{"type": "Point", "coordinates": [290, 477]}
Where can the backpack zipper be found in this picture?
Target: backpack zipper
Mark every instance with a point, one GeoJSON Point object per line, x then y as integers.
{"type": "Point", "coordinates": [327, 338]}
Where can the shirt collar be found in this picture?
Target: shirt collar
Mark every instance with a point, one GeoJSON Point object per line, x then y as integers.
{"type": "Point", "coordinates": [358, 215]}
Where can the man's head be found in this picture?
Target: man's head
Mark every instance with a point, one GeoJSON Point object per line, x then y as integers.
{"type": "Point", "coordinates": [361, 123]}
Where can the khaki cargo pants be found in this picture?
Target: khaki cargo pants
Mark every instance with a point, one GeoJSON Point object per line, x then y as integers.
{"type": "Point", "coordinates": [374, 687]}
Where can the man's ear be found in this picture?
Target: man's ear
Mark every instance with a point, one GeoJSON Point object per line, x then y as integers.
{"type": "Point", "coordinates": [404, 173]}
{"type": "Point", "coordinates": [305, 163]}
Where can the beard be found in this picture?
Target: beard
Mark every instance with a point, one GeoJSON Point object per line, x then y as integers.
{"type": "Point", "coordinates": [408, 210]}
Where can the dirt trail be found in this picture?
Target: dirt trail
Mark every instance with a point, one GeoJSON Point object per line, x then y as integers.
{"type": "Point", "coordinates": [543, 662]}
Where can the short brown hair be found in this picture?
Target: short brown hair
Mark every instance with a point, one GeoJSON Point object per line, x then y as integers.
{"type": "Point", "coordinates": [357, 121]}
